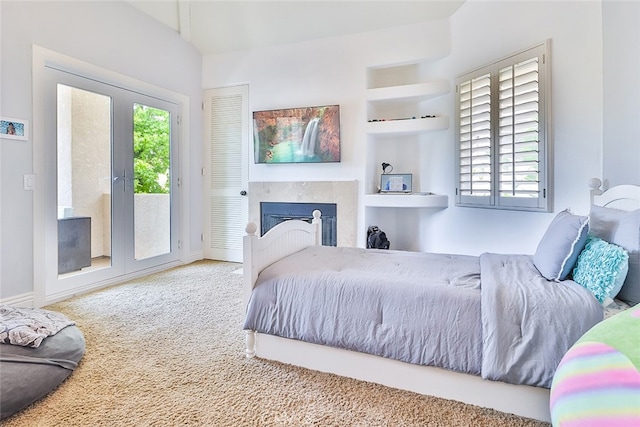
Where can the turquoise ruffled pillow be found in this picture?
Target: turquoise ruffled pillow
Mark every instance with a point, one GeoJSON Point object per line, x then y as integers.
{"type": "Point", "coordinates": [601, 268]}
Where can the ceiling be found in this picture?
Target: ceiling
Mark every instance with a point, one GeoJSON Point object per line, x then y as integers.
{"type": "Point", "coordinates": [218, 26]}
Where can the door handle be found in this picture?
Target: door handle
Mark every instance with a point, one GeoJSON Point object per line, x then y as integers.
{"type": "Point", "coordinates": [124, 178]}
{"type": "Point", "coordinates": [243, 193]}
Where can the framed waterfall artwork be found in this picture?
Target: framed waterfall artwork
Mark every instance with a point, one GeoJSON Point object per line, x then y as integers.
{"type": "Point", "coordinates": [297, 135]}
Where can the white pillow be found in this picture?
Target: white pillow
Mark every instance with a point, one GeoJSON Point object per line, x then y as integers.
{"type": "Point", "coordinates": [560, 246]}
{"type": "Point", "coordinates": [621, 228]}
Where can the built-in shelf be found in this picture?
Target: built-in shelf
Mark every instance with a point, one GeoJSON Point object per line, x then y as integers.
{"type": "Point", "coordinates": [395, 94]}
{"type": "Point", "coordinates": [408, 93]}
{"type": "Point", "coordinates": [407, 126]}
{"type": "Point", "coordinates": [406, 200]}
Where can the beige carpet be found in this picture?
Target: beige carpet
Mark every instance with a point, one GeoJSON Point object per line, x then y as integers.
{"type": "Point", "coordinates": [167, 350]}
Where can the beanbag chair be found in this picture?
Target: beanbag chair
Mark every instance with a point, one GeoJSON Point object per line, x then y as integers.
{"type": "Point", "coordinates": [39, 349]}
{"type": "Point", "coordinates": [597, 382]}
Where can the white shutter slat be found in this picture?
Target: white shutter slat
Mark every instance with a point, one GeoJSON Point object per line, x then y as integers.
{"type": "Point", "coordinates": [530, 138]}
{"type": "Point", "coordinates": [475, 136]}
{"type": "Point", "coordinates": [518, 141]}
{"type": "Point", "coordinates": [524, 166]}
{"type": "Point", "coordinates": [520, 160]}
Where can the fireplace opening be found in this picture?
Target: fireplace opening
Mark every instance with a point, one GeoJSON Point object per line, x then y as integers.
{"type": "Point", "coordinates": [272, 213]}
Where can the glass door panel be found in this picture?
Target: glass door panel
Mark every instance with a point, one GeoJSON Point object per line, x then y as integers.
{"type": "Point", "coordinates": [83, 180]}
{"type": "Point", "coordinates": [151, 181]}
{"type": "Point", "coordinates": [111, 189]}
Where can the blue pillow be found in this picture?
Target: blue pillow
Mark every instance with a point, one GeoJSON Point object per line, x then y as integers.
{"type": "Point", "coordinates": [561, 244]}
{"type": "Point", "coordinates": [601, 268]}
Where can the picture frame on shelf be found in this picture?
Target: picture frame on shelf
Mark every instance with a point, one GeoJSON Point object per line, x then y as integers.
{"type": "Point", "coordinates": [394, 183]}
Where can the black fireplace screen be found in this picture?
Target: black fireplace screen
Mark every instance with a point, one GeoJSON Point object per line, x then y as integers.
{"type": "Point", "coordinates": [274, 213]}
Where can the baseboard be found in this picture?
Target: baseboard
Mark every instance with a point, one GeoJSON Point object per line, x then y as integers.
{"type": "Point", "coordinates": [22, 300]}
{"type": "Point", "coordinates": [193, 257]}
{"type": "Point", "coordinates": [27, 299]}
{"type": "Point", "coordinates": [61, 296]}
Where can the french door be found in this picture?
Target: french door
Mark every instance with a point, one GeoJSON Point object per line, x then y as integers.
{"type": "Point", "coordinates": [111, 182]}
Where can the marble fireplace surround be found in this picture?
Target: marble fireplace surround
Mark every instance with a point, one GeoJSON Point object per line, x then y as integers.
{"type": "Point", "coordinates": [343, 193]}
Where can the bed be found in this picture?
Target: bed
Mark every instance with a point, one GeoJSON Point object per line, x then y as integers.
{"type": "Point", "coordinates": [480, 336]}
{"type": "Point", "coordinates": [598, 380]}
{"type": "Point", "coordinates": [39, 349]}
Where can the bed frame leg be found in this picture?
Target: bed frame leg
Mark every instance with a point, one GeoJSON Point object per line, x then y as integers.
{"type": "Point", "coordinates": [250, 344]}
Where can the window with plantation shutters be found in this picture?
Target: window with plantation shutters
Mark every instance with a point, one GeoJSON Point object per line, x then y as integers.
{"type": "Point", "coordinates": [502, 148]}
{"type": "Point", "coordinates": [475, 138]}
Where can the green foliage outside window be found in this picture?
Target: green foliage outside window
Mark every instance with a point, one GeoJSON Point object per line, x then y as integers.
{"type": "Point", "coordinates": [151, 143]}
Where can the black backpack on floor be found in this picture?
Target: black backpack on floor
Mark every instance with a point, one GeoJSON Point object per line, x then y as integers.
{"type": "Point", "coordinates": [376, 238]}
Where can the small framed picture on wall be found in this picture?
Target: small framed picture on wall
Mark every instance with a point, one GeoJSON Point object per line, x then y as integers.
{"type": "Point", "coordinates": [11, 128]}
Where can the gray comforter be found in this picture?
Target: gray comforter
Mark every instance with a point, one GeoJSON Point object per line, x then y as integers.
{"type": "Point", "coordinates": [492, 315]}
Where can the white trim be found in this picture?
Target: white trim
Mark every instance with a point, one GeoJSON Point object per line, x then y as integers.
{"type": "Point", "coordinates": [61, 296]}
{"type": "Point", "coordinates": [193, 256]}
{"type": "Point", "coordinates": [22, 300]}
{"type": "Point", "coordinates": [39, 57]}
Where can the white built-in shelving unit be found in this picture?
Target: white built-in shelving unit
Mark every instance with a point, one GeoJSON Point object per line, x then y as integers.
{"type": "Point", "coordinates": [400, 117]}
{"type": "Point", "coordinates": [408, 93]}
{"type": "Point", "coordinates": [408, 126]}
{"type": "Point", "coordinates": [406, 200]}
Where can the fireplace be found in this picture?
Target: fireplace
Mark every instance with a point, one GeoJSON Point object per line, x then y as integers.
{"type": "Point", "coordinates": [342, 194]}
{"type": "Point", "coordinates": [272, 214]}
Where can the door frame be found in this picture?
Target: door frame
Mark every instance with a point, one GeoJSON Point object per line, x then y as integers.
{"type": "Point", "coordinates": [43, 236]}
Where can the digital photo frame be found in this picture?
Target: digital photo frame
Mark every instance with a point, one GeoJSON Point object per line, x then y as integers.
{"type": "Point", "coordinates": [396, 183]}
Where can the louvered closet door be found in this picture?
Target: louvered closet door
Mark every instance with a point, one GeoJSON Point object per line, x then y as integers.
{"type": "Point", "coordinates": [225, 169]}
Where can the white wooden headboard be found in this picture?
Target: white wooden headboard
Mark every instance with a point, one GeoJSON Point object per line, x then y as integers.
{"type": "Point", "coordinates": [623, 197]}
{"type": "Point", "coordinates": [284, 239]}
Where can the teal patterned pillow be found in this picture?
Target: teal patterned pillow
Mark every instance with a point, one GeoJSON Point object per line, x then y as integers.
{"type": "Point", "coordinates": [601, 268]}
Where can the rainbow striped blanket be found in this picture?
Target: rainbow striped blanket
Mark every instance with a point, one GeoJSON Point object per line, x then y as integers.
{"type": "Point", "coordinates": [597, 383]}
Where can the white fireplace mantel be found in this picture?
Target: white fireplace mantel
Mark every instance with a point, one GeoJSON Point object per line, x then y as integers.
{"type": "Point", "coordinates": [343, 193]}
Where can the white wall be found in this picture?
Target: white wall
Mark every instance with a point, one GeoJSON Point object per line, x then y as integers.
{"type": "Point", "coordinates": [334, 70]}
{"type": "Point", "coordinates": [112, 35]}
{"type": "Point", "coordinates": [108, 34]}
{"type": "Point", "coordinates": [320, 72]}
{"type": "Point", "coordinates": [325, 71]}
{"type": "Point", "coordinates": [575, 30]}
{"type": "Point", "coordinates": [621, 22]}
